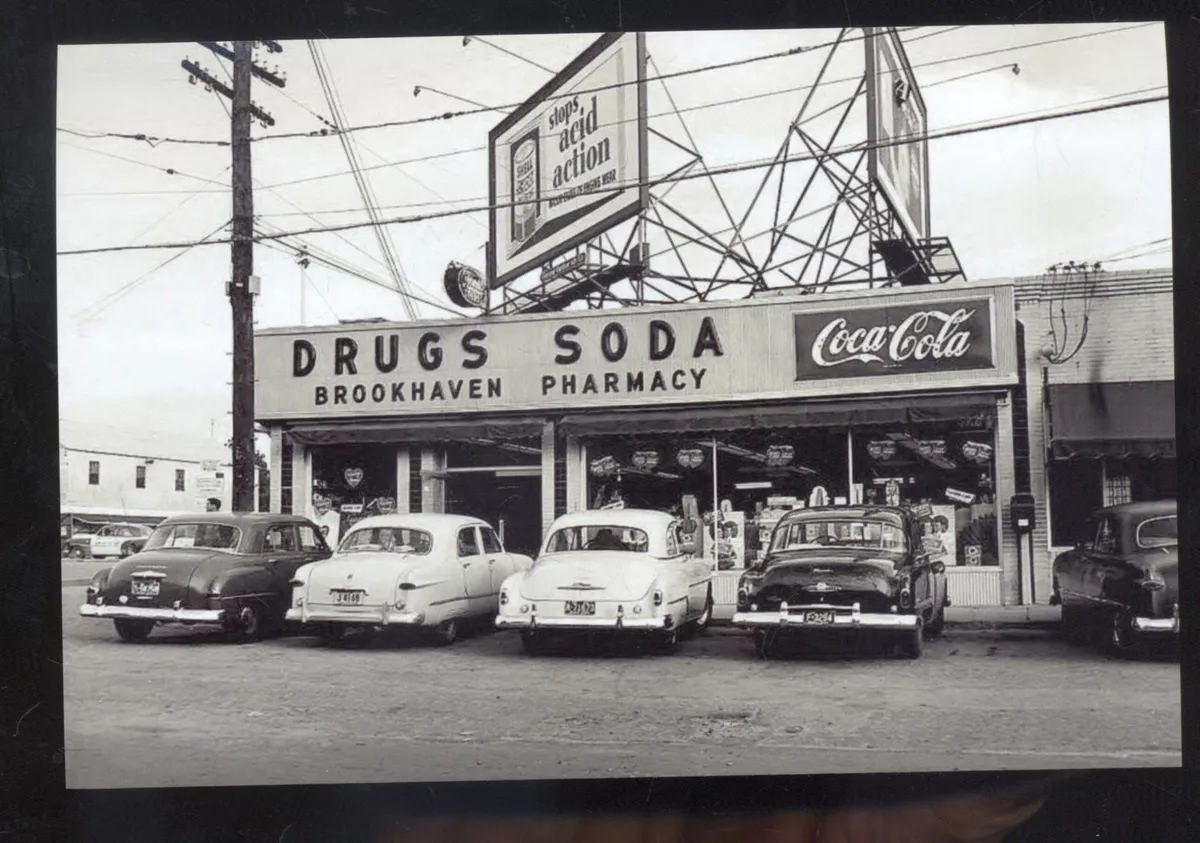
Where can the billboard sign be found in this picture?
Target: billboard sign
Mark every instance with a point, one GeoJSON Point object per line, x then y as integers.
{"type": "Point", "coordinates": [570, 162]}
{"type": "Point", "coordinates": [896, 112]}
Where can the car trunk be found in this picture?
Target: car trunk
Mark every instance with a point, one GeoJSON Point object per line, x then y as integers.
{"type": "Point", "coordinates": [833, 579]}
{"type": "Point", "coordinates": [376, 574]}
{"type": "Point", "coordinates": [156, 579]}
{"type": "Point", "coordinates": [589, 575]}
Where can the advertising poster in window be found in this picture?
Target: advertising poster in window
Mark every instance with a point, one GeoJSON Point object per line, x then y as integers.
{"type": "Point", "coordinates": [940, 533]}
{"type": "Point", "coordinates": [730, 540]}
{"type": "Point", "coordinates": [895, 114]}
{"type": "Point", "coordinates": [571, 161]}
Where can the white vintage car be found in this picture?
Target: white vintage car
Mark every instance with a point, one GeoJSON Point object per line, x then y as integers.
{"type": "Point", "coordinates": [110, 541]}
{"type": "Point", "coordinates": [417, 571]}
{"type": "Point", "coordinates": [623, 571]}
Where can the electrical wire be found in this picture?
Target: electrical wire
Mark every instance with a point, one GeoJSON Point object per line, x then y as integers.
{"type": "Point", "coordinates": [675, 74]}
{"type": "Point", "coordinates": [170, 171]}
{"type": "Point", "coordinates": [734, 168]}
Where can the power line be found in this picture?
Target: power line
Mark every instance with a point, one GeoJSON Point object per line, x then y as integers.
{"type": "Point", "coordinates": [675, 74]}
{"type": "Point", "coordinates": [170, 171]}
{"type": "Point", "coordinates": [733, 168]}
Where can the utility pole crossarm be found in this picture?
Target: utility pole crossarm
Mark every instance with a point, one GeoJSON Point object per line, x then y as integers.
{"type": "Point", "coordinates": [261, 72]}
{"type": "Point", "coordinates": [208, 79]}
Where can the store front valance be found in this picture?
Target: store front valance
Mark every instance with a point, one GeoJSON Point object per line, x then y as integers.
{"type": "Point", "coordinates": [850, 413]}
{"type": "Point", "coordinates": [1112, 419]}
{"type": "Point", "coordinates": [414, 430]}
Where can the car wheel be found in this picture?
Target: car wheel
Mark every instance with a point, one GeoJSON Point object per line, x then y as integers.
{"type": "Point", "coordinates": [248, 625]}
{"type": "Point", "coordinates": [532, 643]}
{"type": "Point", "coordinates": [133, 630]}
{"type": "Point", "coordinates": [1069, 625]}
{"type": "Point", "coordinates": [913, 643]}
{"type": "Point", "coordinates": [937, 624]}
{"type": "Point", "coordinates": [764, 643]}
{"type": "Point", "coordinates": [75, 553]}
{"type": "Point", "coordinates": [333, 633]}
{"type": "Point", "coordinates": [447, 632]}
{"type": "Point", "coordinates": [668, 640]}
{"type": "Point", "coordinates": [1121, 640]}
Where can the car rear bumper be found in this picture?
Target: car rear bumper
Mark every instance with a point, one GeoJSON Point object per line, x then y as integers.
{"type": "Point", "coordinates": [567, 624]}
{"type": "Point", "coordinates": [141, 613]}
{"type": "Point", "coordinates": [380, 617]}
{"type": "Point", "coordinates": [802, 617]}
{"type": "Point", "coordinates": [1157, 626]}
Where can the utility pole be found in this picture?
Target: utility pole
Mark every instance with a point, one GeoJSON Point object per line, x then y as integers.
{"type": "Point", "coordinates": [243, 286]}
{"type": "Point", "coordinates": [241, 297]}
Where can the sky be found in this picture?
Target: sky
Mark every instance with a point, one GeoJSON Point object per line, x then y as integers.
{"type": "Point", "coordinates": [144, 336]}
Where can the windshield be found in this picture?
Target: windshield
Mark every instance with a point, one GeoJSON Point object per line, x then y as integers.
{"type": "Point", "coordinates": [1158, 532]}
{"type": "Point", "coordinates": [389, 539]}
{"type": "Point", "coordinates": [841, 532]}
{"type": "Point", "coordinates": [208, 536]}
{"type": "Point", "coordinates": [598, 537]}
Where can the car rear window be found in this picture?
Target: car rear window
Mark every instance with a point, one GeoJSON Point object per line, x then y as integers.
{"type": "Point", "coordinates": [1158, 532]}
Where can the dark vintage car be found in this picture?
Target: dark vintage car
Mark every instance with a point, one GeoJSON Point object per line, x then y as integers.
{"type": "Point", "coordinates": [227, 569]}
{"type": "Point", "coordinates": [846, 570]}
{"type": "Point", "coordinates": [111, 540]}
{"type": "Point", "coordinates": [1119, 588]}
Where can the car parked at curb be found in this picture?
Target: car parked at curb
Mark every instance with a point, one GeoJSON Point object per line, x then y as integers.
{"type": "Point", "coordinates": [229, 570]}
{"type": "Point", "coordinates": [111, 540]}
{"type": "Point", "coordinates": [430, 572]}
{"type": "Point", "coordinates": [1119, 587]}
{"type": "Point", "coordinates": [620, 571]}
{"type": "Point", "coordinates": [846, 571]}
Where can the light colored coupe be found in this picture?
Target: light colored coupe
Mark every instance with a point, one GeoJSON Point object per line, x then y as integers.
{"type": "Point", "coordinates": [623, 571]}
{"type": "Point", "coordinates": [422, 571]}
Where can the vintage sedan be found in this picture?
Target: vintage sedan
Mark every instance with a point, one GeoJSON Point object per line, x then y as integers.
{"type": "Point", "coordinates": [846, 570]}
{"type": "Point", "coordinates": [111, 540]}
{"type": "Point", "coordinates": [610, 570]}
{"type": "Point", "coordinates": [1119, 587]}
{"type": "Point", "coordinates": [232, 570]}
{"type": "Point", "coordinates": [419, 571]}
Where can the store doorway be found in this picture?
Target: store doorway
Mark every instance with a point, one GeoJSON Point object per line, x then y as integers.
{"type": "Point", "coordinates": [499, 481]}
{"type": "Point", "coordinates": [510, 504]}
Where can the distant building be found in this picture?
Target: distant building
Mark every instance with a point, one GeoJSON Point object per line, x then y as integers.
{"type": "Point", "coordinates": [108, 474]}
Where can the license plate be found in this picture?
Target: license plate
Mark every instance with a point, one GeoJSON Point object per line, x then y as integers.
{"type": "Point", "coordinates": [348, 598]}
{"type": "Point", "coordinates": [144, 588]}
{"type": "Point", "coordinates": [581, 607]}
{"type": "Point", "coordinates": [819, 617]}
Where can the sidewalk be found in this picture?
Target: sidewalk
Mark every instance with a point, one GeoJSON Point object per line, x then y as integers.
{"type": "Point", "coordinates": [80, 571]}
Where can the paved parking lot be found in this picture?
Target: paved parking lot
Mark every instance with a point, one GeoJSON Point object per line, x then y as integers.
{"type": "Point", "coordinates": [188, 708]}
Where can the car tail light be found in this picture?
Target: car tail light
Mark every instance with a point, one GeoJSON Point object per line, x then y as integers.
{"type": "Point", "coordinates": [658, 597]}
{"type": "Point", "coordinates": [503, 598]}
{"type": "Point", "coordinates": [296, 583]}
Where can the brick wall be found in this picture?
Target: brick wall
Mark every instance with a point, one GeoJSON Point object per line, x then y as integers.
{"type": "Point", "coordinates": [1130, 338]}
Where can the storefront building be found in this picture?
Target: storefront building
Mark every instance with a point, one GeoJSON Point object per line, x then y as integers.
{"type": "Point", "coordinates": [744, 408]}
{"type": "Point", "coordinates": [1099, 350]}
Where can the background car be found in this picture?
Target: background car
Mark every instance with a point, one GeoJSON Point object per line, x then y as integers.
{"type": "Point", "coordinates": [232, 570]}
{"type": "Point", "coordinates": [1119, 588]}
{"type": "Point", "coordinates": [846, 570]}
{"type": "Point", "coordinates": [111, 540]}
{"type": "Point", "coordinates": [419, 571]}
{"type": "Point", "coordinates": [621, 571]}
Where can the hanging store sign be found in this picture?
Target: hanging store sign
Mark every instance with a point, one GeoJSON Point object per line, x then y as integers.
{"type": "Point", "coordinates": [780, 455]}
{"type": "Point", "coordinates": [605, 466]}
{"type": "Point", "coordinates": [465, 286]}
{"type": "Point", "coordinates": [576, 361]}
{"type": "Point", "coordinates": [570, 162]}
{"type": "Point", "coordinates": [351, 509]}
{"type": "Point", "coordinates": [977, 452]}
{"type": "Point", "coordinates": [645, 460]}
{"type": "Point", "coordinates": [353, 477]}
{"type": "Point", "coordinates": [881, 449]}
{"type": "Point", "coordinates": [690, 457]}
{"type": "Point", "coordinates": [952, 335]}
{"type": "Point", "coordinates": [960, 497]}
{"type": "Point", "coordinates": [932, 447]}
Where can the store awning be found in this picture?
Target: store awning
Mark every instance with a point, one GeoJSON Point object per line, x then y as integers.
{"type": "Point", "coordinates": [1112, 419]}
{"type": "Point", "coordinates": [845, 413]}
{"type": "Point", "coordinates": [413, 430]}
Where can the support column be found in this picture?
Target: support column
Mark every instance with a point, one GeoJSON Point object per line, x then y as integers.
{"type": "Point", "coordinates": [433, 488]}
{"type": "Point", "coordinates": [301, 481]}
{"type": "Point", "coordinates": [276, 464]}
{"type": "Point", "coordinates": [576, 478]}
{"type": "Point", "coordinates": [547, 484]}
{"type": "Point", "coordinates": [1005, 488]}
{"type": "Point", "coordinates": [403, 488]}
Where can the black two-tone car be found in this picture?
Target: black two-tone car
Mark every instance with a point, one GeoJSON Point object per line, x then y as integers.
{"type": "Point", "coordinates": [232, 570]}
{"type": "Point", "coordinates": [846, 570]}
{"type": "Point", "coordinates": [1119, 587]}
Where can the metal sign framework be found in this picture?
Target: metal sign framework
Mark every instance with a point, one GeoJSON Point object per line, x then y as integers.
{"type": "Point", "coordinates": [859, 242]}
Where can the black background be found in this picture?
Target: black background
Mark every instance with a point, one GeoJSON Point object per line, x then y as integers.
{"type": "Point", "coordinates": [1118, 806]}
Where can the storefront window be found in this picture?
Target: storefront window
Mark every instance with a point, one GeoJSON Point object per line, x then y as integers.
{"type": "Point", "coordinates": [351, 483]}
{"type": "Point", "coordinates": [949, 465]}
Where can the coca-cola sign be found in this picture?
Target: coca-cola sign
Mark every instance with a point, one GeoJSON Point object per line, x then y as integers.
{"type": "Point", "coordinates": [941, 336]}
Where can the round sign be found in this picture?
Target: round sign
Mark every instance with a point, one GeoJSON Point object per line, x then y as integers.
{"type": "Point", "coordinates": [465, 286]}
